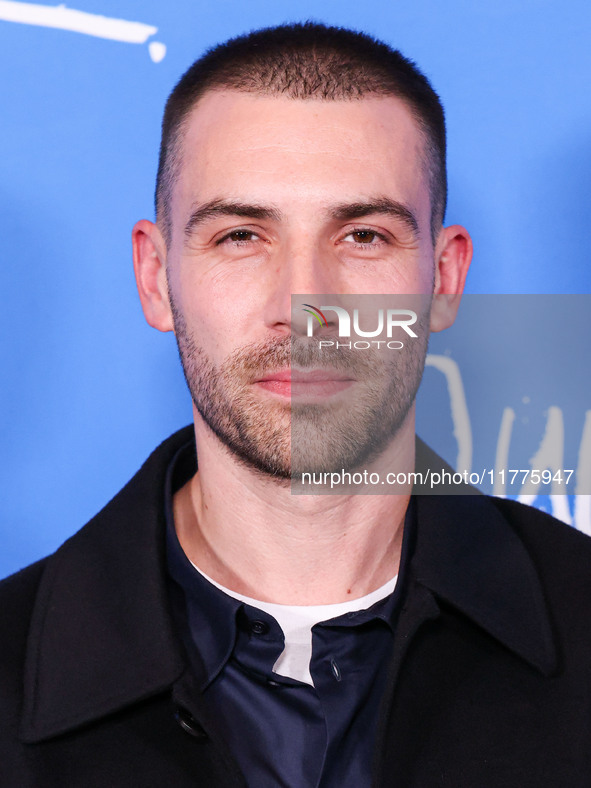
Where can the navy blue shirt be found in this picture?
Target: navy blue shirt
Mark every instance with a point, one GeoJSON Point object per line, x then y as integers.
{"type": "Point", "coordinates": [281, 732]}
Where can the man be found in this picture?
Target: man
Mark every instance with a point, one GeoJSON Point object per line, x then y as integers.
{"type": "Point", "coordinates": [209, 627]}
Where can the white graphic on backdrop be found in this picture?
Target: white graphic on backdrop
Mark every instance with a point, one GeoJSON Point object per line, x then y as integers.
{"type": "Point", "coordinates": [63, 18]}
{"type": "Point", "coordinates": [550, 453]}
{"type": "Point", "coordinates": [459, 408]}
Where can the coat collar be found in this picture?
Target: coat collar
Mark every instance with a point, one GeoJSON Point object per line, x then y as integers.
{"type": "Point", "coordinates": [468, 555]}
{"type": "Point", "coordinates": [102, 636]}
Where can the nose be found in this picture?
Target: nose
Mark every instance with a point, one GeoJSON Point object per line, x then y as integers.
{"type": "Point", "coordinates": [301, 278]}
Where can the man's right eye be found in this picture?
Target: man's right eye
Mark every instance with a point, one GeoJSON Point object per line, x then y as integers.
{"type": "Point", "coordinates": [238, 237]}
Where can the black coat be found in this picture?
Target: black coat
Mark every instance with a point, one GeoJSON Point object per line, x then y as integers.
{"type": "Point", "coordinates": [488, 685]}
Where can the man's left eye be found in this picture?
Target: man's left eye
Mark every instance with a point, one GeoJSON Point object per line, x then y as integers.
{"type": "Point", "coordinates": [365, 237]}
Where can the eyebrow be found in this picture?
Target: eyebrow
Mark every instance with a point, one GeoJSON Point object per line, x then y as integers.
{"type": "Point", "coordinates": [382, 205]}
{"type": "Point", "coordinates": [215, 208]}
{"type": "Point", "coordinates": [342, 212]}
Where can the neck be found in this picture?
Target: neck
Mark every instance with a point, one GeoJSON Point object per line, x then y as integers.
{"type": "Point", "coordinates": [255, 537]}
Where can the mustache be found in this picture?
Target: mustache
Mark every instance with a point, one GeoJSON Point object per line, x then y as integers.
{"type": "Point", "coordinates": [257, 359]}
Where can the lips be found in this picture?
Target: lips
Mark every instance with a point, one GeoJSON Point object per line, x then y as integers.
{"type": "Point", "coordinates": [310, 383]}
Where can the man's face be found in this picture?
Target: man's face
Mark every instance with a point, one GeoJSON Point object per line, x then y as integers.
{"type": "Point", "coordinates": [278, 197]}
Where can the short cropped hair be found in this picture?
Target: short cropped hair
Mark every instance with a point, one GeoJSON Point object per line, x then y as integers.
{"type": "Point", "coordinates": [305, 61]}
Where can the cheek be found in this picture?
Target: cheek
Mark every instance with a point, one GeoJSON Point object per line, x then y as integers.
{"type": "Point", "coordinates": [219, 316]}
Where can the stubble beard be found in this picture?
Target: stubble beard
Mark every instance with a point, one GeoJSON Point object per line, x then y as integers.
{"type": "Point", "coordinates": [283, 439]}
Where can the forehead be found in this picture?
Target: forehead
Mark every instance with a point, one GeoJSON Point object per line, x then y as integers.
{"type": "Point", "coordinates": [237, 144]}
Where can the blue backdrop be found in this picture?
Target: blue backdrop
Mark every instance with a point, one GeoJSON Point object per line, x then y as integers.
{"type": "Point", "coordinates": [88, 388]}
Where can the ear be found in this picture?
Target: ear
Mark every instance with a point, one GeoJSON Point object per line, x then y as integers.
{"type": "Point", "coordinates": [453, 254]}
{"type": "Point", "coordinates": [149, 264]}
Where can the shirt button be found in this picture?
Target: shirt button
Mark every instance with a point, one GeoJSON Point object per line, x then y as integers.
{"type": "Point", "coordinates": [336, 671]}
{"type": "Point", "coordinates": [189, 724]}
{"type": "Point", "coordinates": [259, 627]}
